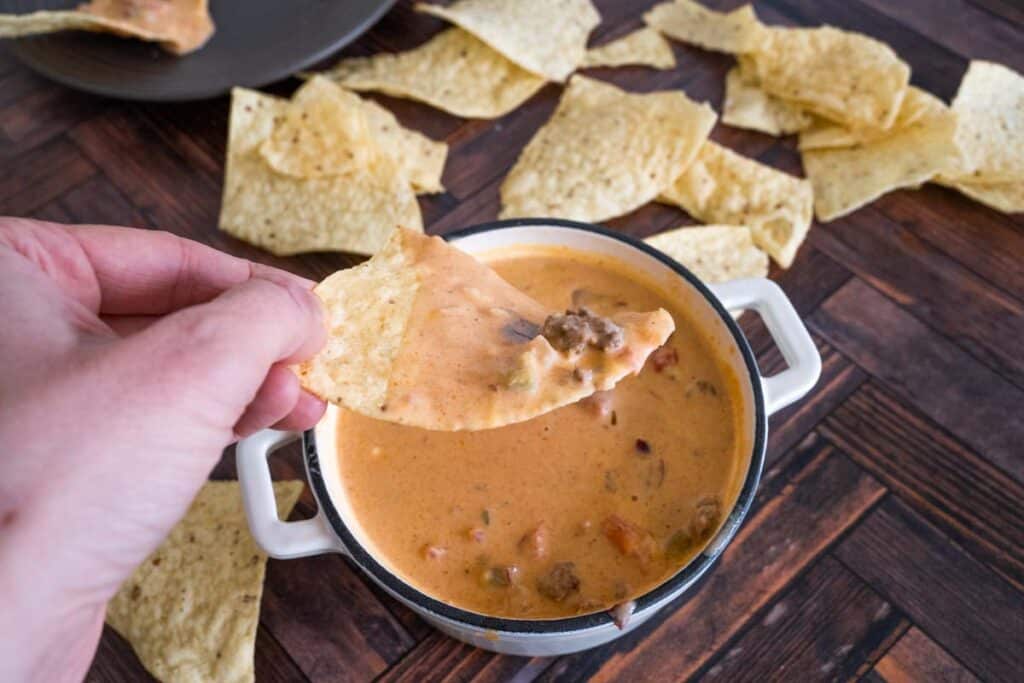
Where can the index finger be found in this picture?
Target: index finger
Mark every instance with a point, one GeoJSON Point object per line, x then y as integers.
{"type": "Point", "coordinates": [147, 272]}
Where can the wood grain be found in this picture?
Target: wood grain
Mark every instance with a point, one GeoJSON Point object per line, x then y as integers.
{"type": "Point", "coordinates": [960, 603]}
{"type": "Point", "coordinates": [956, 489]}
{"type": "Point", "coordinates": [927, 370]}
{"type": "Point", "coordinates": [918, 658]}
{"type": "Point", "coordinates": [822, 628]}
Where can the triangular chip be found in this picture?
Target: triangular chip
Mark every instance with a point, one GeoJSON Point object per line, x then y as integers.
{"type": "Point", "coordinates": [191, 609]}
{"type": "Point", "coordinates": [990, 128]}
{"type": "Point", "coordinates": [715, 253]}
{"type": "Point", "coordinates": [544, 37]}
{"type": "Point", "coordinates": [721, 186]}
{"type": "Point", "coordinates": [917, 104]}
{"type": "Point", "coordinates": [427, 336]}
{"type": "Point", "coordinates": [748, 106]}
{"type": "Point", "coordinates": [847, 178]}
{"type": "Point", "coordinates": [287, 215]}
{"type": "Point", "coordinates": [1006, 197]}
{"type": "Point", "coordinates": [327, 130]}
{"type": "Point", "coordinates": [180, 26]}
{"type": "Point", "coordinates": [322, 131]}
{"type": "Point", "coordinates": [604, 152]}
{"type": "Point", "coordinates": [643, 47]}
{"type": "Point", "coordinates": [842, 76]}
{"type": "Point", "coordinates": [453, 71]}
{"type": "Point", "coordinates": [690, 22]}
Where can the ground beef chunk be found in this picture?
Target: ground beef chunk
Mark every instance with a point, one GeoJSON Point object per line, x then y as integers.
{"type": "Point", "coordinates": [706, 518]}
{"type": "Point", "coordinates": [559, 583]}
{"type": "Point", "coordinates": [576, 329]}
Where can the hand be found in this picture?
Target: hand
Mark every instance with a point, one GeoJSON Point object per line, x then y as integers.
{"type": "Point", "coordinates": [128, 360]}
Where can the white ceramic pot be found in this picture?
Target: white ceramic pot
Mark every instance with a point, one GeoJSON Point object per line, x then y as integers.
{"type": "Point", "coordinates": [334, 529]}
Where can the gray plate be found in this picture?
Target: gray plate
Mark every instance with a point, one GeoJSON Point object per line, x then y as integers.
{"type": "Point", "coordinates": [257, 42]}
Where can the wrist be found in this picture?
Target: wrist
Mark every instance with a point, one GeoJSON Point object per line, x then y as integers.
{"type": "Point", "coordinates": [48, 632]}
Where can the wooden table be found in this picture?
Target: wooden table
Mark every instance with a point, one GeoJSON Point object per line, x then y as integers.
{"type": "Point", "coordinates": [888, 536]}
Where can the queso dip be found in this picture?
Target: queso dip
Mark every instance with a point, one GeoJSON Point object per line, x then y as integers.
{"type": "Point", "coordinates": [577, 510]}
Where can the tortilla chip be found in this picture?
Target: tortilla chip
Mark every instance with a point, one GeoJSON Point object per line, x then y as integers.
{"type": "Point", "coordinates": [689, 22]}
{"type": "Point", "coordinates": [748, 106]}
{"type": "Point", "coordinates": [180, 26]}
{"type": "Point", "coordinates": [847, 178]}
{"type": "Point", "coordinates": [721, 186]}
{"type": "Point", "coordinates": [604, 152]}
{"type": "Point", "coordinates": [1006, 197]}
{"type": "Point", "coordinates": [544, 37]}
{"type": "Point", "coordinates": [643, 47]}
{"type": "Point", "coordinates": [714, 253]}
{"type": "Point", "coordinates": [453, 71]}
{"type": "Point", "coordinates": [842, 76]}
{"type": "Point", "coordinates": [394, 321]}
{"type": "Point", "coordinates": [286, 215]}
{"type": "Point", "coordinates": [322, 132]}
{"type": "Point", "coordinates": [990, 128]}
{"type": "Point", "coordinates": [191, 609]}
{"type": "Point", "coordinates": [917, 104]}
{"type": "Point", "coordinates": [327, 130]}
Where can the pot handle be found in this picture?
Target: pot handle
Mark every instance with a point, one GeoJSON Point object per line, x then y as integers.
{"type": "Point", "coordinates": [283, 540]}
{"type": "Point", "coordinates": [788, 333]}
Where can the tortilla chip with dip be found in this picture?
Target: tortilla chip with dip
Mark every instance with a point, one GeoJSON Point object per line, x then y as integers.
{"type": "Point", "coordinates": [544, 37]}
{"type": "Point", "coordinates": [847, 178]}
{"type": "Point", "coordinates": [604, 152]}
{"type": "Point", "coordinates": [180, 26]}
{"type": "Point", "coordinates": [714, 253]}
{"type": "Point", "coordinates": [748, 106]}
{"type": "Point", "coordinates": [643, 47]}
{"type": "Point", "coordinates": [453, 71]}
{"type": "Point", "coordinates": [191, 609]}
{"type": "Point", "coordinates": [690, 22]}
{"type": "Point", "coordinates": [425, 335]}
{"type": "Point", "coordinates": [284, 214]}
{"type": "Point", "coordinates": [843, 76]}
{"type": "Point", "coordinates": [328, 130]}
{"type": "Point", "coordinates": [721, 186]}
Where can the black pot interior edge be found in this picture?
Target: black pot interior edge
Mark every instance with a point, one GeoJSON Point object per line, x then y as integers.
{"type": "Point", "coordinates": [684, 577]}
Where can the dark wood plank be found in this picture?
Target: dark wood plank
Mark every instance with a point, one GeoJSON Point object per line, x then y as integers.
{"type": "Point", "coordinates": [440, 658]}
{"type": "Point", "coordinates": [1009, 10]}
{"type": "Point", "coordinates": [926, 370]}
{"type": "Point", "coordinates": [151, 175]}
{"type": "Point", "coordinates": [953, 487]}
{"type": "Point", "coordinates": [918, 658]}
{"type": "Point", "coordinates": [976, 36]}
{"type": "Point", "coordinates": [98, 201]}
{"type": "Point", "coordinates": [939, 291]}
{"type": "Point", "coordinates": [329, 622]}
{"type": "Point", "coordinates": [823, 628]}
{"type": "Point", "coordinates": [978, 237]}
{"type": "Point", "coordinates": [115, 661]}
{"type": "Point", "coordinates": [273, 663]}
{"type": "Point", "coordinates": [956, 600]}
{"type": "Point", "coordinates": [803, 510]}
{"type": "Point", "coordinates": [39, 112]}
{"type": "Point", "coordinates": [28, 182]}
